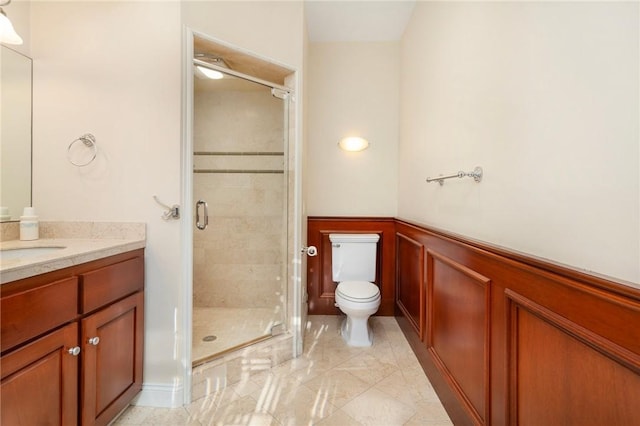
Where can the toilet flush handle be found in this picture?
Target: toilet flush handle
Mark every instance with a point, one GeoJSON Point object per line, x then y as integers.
{"type": "Point", "coordinates": [310, 251]}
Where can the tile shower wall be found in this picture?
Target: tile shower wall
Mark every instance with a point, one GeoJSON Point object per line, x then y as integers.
{"type": "Point", "coordinates": [239, 258]}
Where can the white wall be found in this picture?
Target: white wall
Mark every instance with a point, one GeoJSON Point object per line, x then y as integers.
{"type": "Point", "coordinates": [543, 96]}
{"type": "Point", "coordinates": [353, 91]}
{"type": "Point", "coordinates": [271, 29]}
{"type": "Point", "coordinates": [114, 69]}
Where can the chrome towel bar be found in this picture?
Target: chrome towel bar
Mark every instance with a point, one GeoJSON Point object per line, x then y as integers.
{"type": "Point", "coordinates": [476, 174]}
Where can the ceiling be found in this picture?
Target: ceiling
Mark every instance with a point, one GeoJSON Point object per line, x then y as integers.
{"type": "Point", "coordinates": [357, 20]}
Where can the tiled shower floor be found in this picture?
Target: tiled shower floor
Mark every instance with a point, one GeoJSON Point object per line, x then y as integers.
{"type": "Point", "coordinates": [329, 384]}
{"type": "Point", "coordinates": [230, 326]}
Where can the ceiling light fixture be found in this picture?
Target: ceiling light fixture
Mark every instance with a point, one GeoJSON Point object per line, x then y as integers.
{"type": "Point", "coordinates": [209, 73]}
{"type": "Point", "coordinates": [7, 34]}
{"type": "Point", "coordinates": [215, 61]}
{"type": "Point", "coordinates": [353, 144]}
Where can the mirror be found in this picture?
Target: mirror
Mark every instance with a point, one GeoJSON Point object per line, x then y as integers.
{"type": "Point", "coordinates": [15, 133]}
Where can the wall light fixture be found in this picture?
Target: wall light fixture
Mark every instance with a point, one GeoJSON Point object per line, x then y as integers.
{"type": "Point", "coordinates": [7, 34]}
{"type": "Point", "coordinates": [353, 144]}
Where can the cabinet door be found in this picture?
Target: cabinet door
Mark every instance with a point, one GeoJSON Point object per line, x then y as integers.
{"type": "Point", "coordinates": [39, 381]}
{"type": "Point", "coordinates": [112, 363]}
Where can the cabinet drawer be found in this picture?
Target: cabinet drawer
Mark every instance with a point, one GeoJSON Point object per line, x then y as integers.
{"type": "Point", "coordinates": [29, 313]}
{"type": "Point", "coordinates": [113, 282]}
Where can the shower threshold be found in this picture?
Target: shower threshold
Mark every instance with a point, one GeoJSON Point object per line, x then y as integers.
{"type": "Point", "coordinates": [219, 331]}
{"type": "Point", "coordinates": [204, 360]}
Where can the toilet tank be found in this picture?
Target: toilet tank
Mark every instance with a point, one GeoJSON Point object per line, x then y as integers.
{"type": "Point", "coordinates": [353, 257]}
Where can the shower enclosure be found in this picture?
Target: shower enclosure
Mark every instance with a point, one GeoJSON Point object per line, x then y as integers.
{"type": "Point", "coordinates": [240, 195]}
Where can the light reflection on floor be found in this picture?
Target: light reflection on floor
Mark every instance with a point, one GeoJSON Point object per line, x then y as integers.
{"type": "Point", "coordinates": [330, 384]}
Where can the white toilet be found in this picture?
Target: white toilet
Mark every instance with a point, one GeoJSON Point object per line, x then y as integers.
{"type": "Point", "coordinates": [353, 267]}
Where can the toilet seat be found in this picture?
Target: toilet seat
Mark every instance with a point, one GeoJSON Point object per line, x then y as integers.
{"type": "Point", "coordinates": [358, 291]}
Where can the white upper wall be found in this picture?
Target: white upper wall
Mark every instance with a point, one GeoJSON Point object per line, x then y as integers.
{"type": "Point", "coordinates": [362, 20]}
{"type": "Point", "coordinates": [353, 91]}
{"type": "Point", "coordinates": [543, 96]}
{"type": "Point", "coordinates": [113, 69]}
{"type": "Point", "coordinates": [271, 29]}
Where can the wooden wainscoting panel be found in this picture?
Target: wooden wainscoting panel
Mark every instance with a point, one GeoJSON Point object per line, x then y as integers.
{"type": "Point", "coordinates": [562, 373]}
{"type": "Point", "coordinates": [546, 322]}
{"type": "Point", "coordinates": [507, 338]}
{"type": "Point", "coordinates": [320, 285]}
{"type": "Point", "coordinates": [327, 286]}
{"type": "Point", "coordinates": [410, 287]}
{"type": "Point", "coordinates": [457, 333]}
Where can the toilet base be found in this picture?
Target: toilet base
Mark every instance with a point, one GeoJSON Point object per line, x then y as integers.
{"type": "Point", "coordinates": [356, 331]}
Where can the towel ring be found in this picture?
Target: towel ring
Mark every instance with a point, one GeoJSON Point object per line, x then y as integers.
{"type": "Point", "coordinates": [87, 140]}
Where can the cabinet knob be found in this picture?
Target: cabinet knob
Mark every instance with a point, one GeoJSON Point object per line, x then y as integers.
{"type": "Point", "coordinates": [75, 351]}
{"type": "Point", "coordinates": [94, 340]}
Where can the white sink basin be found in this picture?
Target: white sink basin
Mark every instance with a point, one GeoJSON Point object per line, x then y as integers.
{"type": "Point", "coordinates": [27, 252]}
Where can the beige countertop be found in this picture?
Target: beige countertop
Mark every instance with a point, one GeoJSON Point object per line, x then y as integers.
{"type": "Point", "coordinates": [74, 252]}
{"type": "Point", "coordinates": [80, 242]}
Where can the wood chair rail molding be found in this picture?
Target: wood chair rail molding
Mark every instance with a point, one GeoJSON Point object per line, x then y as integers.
{"type": "Point", "coordinates": [319, 268]}
{"type": "Point", "coordinates": [590, 279]}
{"type": "Point", "coordinates": [505, 338]}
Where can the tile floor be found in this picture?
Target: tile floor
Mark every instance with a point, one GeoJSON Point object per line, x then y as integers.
{"type": "Point", "coordinates": [330, 384]}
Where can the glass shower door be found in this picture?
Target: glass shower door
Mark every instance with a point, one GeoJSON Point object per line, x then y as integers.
{"type": "Point", "coordinates": [240, 177]}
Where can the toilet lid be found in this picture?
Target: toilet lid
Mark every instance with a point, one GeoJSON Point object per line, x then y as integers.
{"type": "Point", "coordinates": [358, 291]}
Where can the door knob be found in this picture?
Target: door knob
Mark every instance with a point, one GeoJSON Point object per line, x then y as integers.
{"type": "Point", "coordinates": [310, 251]}
{"type": "Point", "coordinates": [75, 351]}
{"type": "Point", "coordinates": [93, 341]}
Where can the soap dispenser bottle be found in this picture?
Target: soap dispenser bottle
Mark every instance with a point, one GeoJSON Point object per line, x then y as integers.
{"type": "Point", "coordinates": [29, 227]}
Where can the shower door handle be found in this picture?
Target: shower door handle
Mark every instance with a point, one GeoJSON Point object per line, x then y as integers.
{"type": "Point", "coordinates": [202, 226]}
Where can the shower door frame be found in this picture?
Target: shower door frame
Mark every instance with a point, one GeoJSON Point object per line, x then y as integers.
{"type": "Point", "coordinates": [296, 265]}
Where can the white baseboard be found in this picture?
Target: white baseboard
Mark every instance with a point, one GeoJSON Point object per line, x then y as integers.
{"type": "Point", "coordinates": [160, 395]}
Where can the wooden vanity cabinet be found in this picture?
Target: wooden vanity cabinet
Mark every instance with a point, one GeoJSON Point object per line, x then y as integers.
{"type": "Point", "coordinates": [112, 338]}
{"type": "Point", "coordinates": [40, 381]}
{"type": "Point", "coordinates": [82, 366]}
{"type": "Point", "coordinates": [112, 367]}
